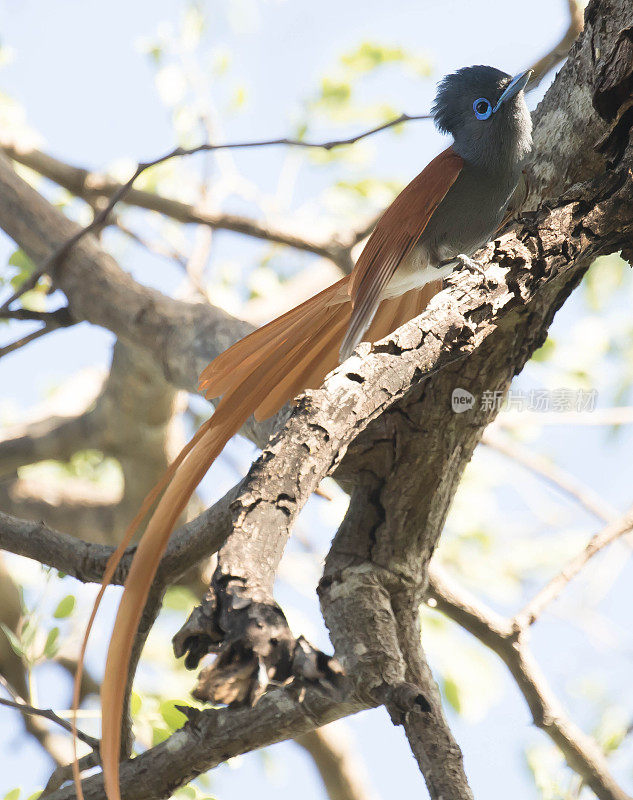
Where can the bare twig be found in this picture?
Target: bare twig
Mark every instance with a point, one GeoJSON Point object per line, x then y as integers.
{"type": "Point", "coordinates": [552, 473]}
{"type": "Point", "coordinates": [64, 772]}
{"type": "Point", "coordinates": [52, 320]}
{"type": "Point", "coordinates": [49, 264]}
{"type": "Point", "coordinates": [60, 317]}
{"type": "Point", "coordinates": [530, 613]}
{"type": "Point", "coordinates": [156, 248]}
{"type": "Point", "coordinates": [31, 337]}
{"type": "Point", "coordinates": [48, 713]}
{"type": "Point", "coordinates": [342, 773]}
{"type": "Point", "coordinates": [560, 50]}
{"type": "Point", "coordinates": [582, 752]}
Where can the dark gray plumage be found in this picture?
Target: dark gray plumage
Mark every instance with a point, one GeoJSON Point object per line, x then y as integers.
{"type": "Point", "coordinates": [494, 150]}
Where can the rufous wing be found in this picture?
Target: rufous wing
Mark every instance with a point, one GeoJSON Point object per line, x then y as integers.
{"type": "Point", "coordinates": [394, 237]}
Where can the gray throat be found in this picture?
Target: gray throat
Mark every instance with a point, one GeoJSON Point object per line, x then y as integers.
{"type": "Point", "coordinates": [474, 206]}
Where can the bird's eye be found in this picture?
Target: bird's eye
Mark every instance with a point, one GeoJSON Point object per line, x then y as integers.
{"type": "Point", "coordinates": [482, 108]}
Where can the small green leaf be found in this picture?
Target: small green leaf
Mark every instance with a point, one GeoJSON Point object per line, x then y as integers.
{"type": "Point", "coordinates": [451, 692]}
{"type": "Point", "coordinates": [14, 794]}
{"type": "Point", "coordinates": [14, 641]}
{"type": "Point", "coordinates": [186, 793]}
{"type": "Point", "coordinates": [335, 92]}
{"type": "Point", "coordinates": [136, 701]}
{"type": "Point", "coordinates": [174, 718]}
{"type": "Point", "coordinates": [51, 646]}
{"type": "Point", "coordinates": [159, 735]}
{"type": "Point", "coordinates": [35, 795]}
{"type": "Point", "coordinates": [65, 607]}
{"type": "Point", "coordinates": [28, 632]}
{"type": "Point", "coordinates": [20, 260]}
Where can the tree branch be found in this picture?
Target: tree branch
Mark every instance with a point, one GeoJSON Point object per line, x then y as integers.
{"type": "Point", "coordinates": [561, 480]}
{"type": "Point", "coordinates": [48, 713]}
{"type": "Point", "coordinates": [215, 735]}
{"type": "Point", "coordinates": [560, 50]}
{"type": "Point", "coordinates": [120, 192]}
{"type": "Point", "coordinates": [509, 642]}
{"type": "Point", "coordinates": [531, 612]}
{"type": "Point", "coordinates": [342, 772]}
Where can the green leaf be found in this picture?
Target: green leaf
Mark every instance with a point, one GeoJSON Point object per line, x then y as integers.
{"type": "Point", "coordinates": [14, 794]}
{"type": "Point", "coordinates": [451, 692]}
{"type": "Point", "coordinates": [335, 93]}
{"type": "Point", "coordinates": [24, 264]}
{"type": "Point", "coordinates": [159, 735]}
{"type": "Point", "coordinates": [35, 795]}
{"type": "Point", "coordinates": [65, 607]}
{"type": "Point", "coordinates": [301, 131]}
{"type": "Point", "coordinates": [14, 641]}
{"type": "Point", "coordinates": [545, 352]}
{"type": "Point", "coordinates": [51, 646]}
{"type": "Point", "coordinates": [174, 718]}
{"type": "Point", "coordinates": [136, 701]}
{"type": "Point", "coordinates": [186, 793]}
{"type": "Point", "coordinates": [28, 632]}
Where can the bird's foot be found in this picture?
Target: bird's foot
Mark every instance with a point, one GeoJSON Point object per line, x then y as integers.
{"type": "Point", "coordinates": [467, 262]}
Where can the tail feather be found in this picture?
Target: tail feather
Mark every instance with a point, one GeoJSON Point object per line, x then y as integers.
{"type": "Point", "coordinates": [226, 370]}
{"type": "Point", "coordinates": [258, 374]}
{"type": "Point", "coordinates": [230, 414]}
{"type": "Point", "coordinates": [317, 357]}
{"type": "Point", "coordinates": [137, 586]}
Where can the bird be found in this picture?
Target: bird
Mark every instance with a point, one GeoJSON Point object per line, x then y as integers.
{"type": "Point", "coordinates": [435, 225]}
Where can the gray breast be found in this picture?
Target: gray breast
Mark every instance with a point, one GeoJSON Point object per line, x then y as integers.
{"type": "Point", "coordinates": [469, 214]}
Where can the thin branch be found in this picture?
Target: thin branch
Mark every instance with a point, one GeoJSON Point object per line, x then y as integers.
{"type": "Point", "coordinates": [619, 415]}
{"type": "Point", "coordinates": [52, 321]}
{"type": "Point", "coordinates": [30, 337]}
{"type": "Point", "coordinates": [64, 772]}
{"type": "Point", "coordinates": [52, 261]}
{"type": "Point", "coordinates": [344, 776]}
{"type": "Point", "coordinates": [48, 713]}
{"type": "Point", "coordinates": [581, 752]}
{"type": "Point", "coordinates": [530, 613]}
{"type": "Point", "coordinates": [156, 248]}
{"type": "Point", "coordinates": [553, 474]}
{"type": "Point", "coordinates": [60, 317]}
{"type": "Point", "coordinates": [560, 50]}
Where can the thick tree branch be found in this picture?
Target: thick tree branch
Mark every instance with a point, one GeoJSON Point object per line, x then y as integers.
{"type": "Point", "coordinates": [213, 736]}
{"type": "Point", "coordinates": [86, 561]}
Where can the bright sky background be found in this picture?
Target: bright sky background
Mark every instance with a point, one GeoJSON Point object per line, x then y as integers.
{"type": "Point", "coordinates": [89, 91]}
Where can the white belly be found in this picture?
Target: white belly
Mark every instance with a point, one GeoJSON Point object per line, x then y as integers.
{"type": "Point", "coordinates": [415, 272]}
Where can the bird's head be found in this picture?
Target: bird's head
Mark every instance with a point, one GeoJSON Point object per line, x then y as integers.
{"type": "Point", "coordinates": [485, 111]}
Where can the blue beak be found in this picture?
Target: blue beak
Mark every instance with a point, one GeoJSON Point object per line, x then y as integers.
{"type": "Point", "coordinates": [513, 88]}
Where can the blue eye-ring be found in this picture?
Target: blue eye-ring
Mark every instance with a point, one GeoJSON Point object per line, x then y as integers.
{"type": "Point", "coordinates": [482, 108]}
